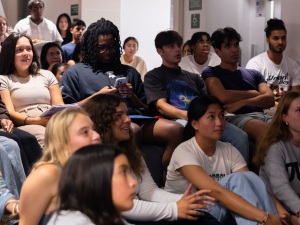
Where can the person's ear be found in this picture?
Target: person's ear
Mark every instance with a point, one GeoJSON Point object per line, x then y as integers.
{"type": "Point", "coordinates": [71, 29]}
{"type": "Point", "coordinates": [284, 118]}
{"type": "Point", "coordinates": [267, 41]}
{"type": "Point", "coordinates": [195, 124]}
{"type": "Point", "coordinates": [160, 51]}
{"type": "Point", "coordinates": [193, 48]}
{"type": "Point", "coordinates": [217, 51]}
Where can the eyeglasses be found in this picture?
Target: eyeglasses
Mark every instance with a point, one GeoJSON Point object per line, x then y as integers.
{"type": "Point", "coordinates": [103, 48]}
{"type": "Point", "coordinates": [52, 54]}
{"type": "Point", "coordinates": [204, 42]}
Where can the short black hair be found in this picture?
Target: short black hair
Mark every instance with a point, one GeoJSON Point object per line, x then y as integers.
{"type": "Point", "coordinates": [274, 24]}
{"type": "Point", "coordinates": [129, 39]}
{"type": "Point", "coordinates": [76, 52]}
{"type": "Point", "coordinates": [168, 37]}
{"type": "Point", "coordinates": [198, 36]}
{"type": "Point", "coordinates": [220, 35]}
{"type": "Point", "coordinates": [56, 66]}
{"type": "Point", "coordinates": [31, 2]}
{"type": "Point", "coordinates": [78, 23]}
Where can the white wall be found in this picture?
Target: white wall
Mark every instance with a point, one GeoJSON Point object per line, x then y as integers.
{"type": "Point", "coordinates": [239, 14]}
{"type": "Point", "coordinates": [144, 20]}
{"type": "Point", "coordinates": [53, 8]}
{"type": "Point", "coordinates": [93, 10]}
{"type": "Point", "coordinates": [291, 17]}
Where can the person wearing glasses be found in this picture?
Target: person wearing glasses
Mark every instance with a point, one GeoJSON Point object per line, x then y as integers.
{"type": "Point", "coordinates": [202, 57]}
{"type": "Point", "coordinates": [96, 74]}
{"type": "Point", "coordinates": [51, 53]}
{"type": "Point", "coordinates": [26, 90]}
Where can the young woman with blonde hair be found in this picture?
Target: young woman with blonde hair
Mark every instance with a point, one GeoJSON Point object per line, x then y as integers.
{"type": "Point", "coordinates": [279, 154]}
{"type": "Point", "coordinates": [66, 132]}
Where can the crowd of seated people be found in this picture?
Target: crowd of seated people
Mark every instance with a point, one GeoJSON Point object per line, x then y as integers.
{"type": "Point", "coordinates": [55, 170]}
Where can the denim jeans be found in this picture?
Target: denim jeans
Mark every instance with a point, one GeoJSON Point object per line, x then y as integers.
{"type": "Point", "coordinates": [11, 165]}
{"type": "Point", "coordinates": [235, 136]}
{"type": "Point", "coordinates": [251, 188]}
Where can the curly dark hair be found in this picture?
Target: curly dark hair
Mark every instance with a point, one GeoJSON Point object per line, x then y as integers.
{"type": "Point", "coordinates": [89, 42]}
{"type": "Point", "coordinates": [101, 109]}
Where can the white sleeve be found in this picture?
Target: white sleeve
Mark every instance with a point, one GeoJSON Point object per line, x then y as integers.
{"type": "Point", "coordinates": [237, 160]}
{"type": "Point", "coordinates": [296, 78]}
{"type": "Point", "coordinates": [151, 211]}
{"type": "Point", "coordinates": [253, 64]}
{"type": "Point", "coordinates": [184, 156]}
{"type": "Point", "coordinates": [57, 36]}
{"type": "Point", "coordinates": [150, 192]}
{"type": "Point", "coordinates": [3, 82]}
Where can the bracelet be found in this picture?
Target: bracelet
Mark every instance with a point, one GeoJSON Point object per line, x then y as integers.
{"type": "Point", "coordinates": [26, 119]}
{"type": "Point", "coordinates": [265, 219]}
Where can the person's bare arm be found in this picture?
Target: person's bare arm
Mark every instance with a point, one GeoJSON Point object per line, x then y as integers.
{"type": "Point", "coordinates": [265, 100]}
{"type": "Point", "coordinates": [215, 88]}
{"type": "Point", "coordinates": [55, 95]}
{"type": "Point", "coordinates": [295, 88]}
{"type": "Point", "coordinates": [19, 118]}
{"type": "Point", "coordinates": [37, 194]}
{"type": "Point", "coordinates": [170, 111]}
{"type": "Point", "coordinates": [105, 90]}
{"type": "Point", "coordinates": [198, 177]}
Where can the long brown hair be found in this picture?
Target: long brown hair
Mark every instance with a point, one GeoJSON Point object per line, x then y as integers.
{"type": "Point", "coordinates": [101, 109]}
{"type": "Point", "coordinates": [279, 130]}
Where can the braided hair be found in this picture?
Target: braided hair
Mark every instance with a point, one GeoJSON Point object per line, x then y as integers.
{"type": "Point", "coordinates": [89, 42]}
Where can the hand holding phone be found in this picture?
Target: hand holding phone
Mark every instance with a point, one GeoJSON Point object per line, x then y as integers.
{"type": "Point", "coordinates": [120, 81]}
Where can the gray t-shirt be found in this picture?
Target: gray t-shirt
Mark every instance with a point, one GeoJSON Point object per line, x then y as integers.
{"type": "Point", "coordinates": [30, 91]}
{"type": "Point", "coordinates": [281, 174]}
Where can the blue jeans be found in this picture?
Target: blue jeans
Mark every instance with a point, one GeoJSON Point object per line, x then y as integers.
{"type": "Point", "coordinates": [11, 165]}
{"type": "Point", "coordinates": [251, 188]}
{"type": "Point", "coordinates": [235, 136]}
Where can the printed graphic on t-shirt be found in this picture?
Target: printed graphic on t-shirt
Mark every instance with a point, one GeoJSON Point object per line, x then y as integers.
{"type": "Point", "coordinates": [293, 170]}
{"type": "Point", "coordinates": [180, 94]}
{"type": "Point", "coordinates": [217, 176]}
{"type": "Point", "coordinates": [278, 84]}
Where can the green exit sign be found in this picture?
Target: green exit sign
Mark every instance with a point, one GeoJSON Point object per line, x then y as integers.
{"type": "Point", "coordinates": [74, 10]}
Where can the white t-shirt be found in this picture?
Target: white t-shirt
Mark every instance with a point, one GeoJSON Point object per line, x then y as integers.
{"type": "Point", "coordinates": [138, 63]}
{"type": "Point", "coordinates": [30, 91]}
{"type": "Point", "coordinates": [279, 77]}
{"type": "Point", "coordinates": [226, 160]}
{"type": "Point", "coordinates": [46, 30]}
{"type": "Point", "coordinates": [152, 203]}
{"type": "Point", "coordinates": [189, 64]}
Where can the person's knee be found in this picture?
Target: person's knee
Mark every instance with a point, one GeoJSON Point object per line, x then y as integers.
{"type": "Point", "coordinates": [173, 129]}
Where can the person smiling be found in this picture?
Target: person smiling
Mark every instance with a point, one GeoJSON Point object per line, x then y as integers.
{"type": "Point", "coordinates": [130, 47]}
{"type": "Point", "coordinates": [26, 90]}
{"type": "Point", "coordinates": [109, 114]}
{"type": "Point", "coordinates": [67, 131]}
{"type": "Point", "coordinates": [97, 73]}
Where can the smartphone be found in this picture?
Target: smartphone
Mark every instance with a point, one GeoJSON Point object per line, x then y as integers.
{"type": "Point", "coordinates": [120, 81]}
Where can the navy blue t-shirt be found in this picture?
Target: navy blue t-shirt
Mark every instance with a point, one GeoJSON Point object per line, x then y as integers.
{"type": "Point", "coordinates": [240, 80]}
